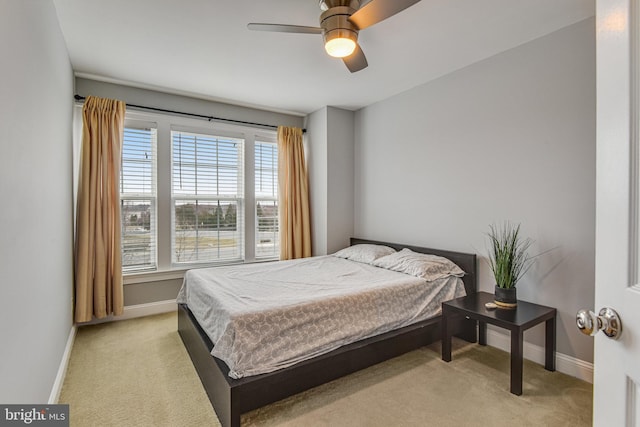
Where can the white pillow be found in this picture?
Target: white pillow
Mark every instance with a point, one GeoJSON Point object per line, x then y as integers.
{"type": "Point", "coordinates": [365, 253]}
{"type": "Point", "coordinates": [426, 266]}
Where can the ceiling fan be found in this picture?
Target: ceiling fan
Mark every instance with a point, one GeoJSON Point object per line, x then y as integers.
{"type": "Point", "coordinates": [340, 22]}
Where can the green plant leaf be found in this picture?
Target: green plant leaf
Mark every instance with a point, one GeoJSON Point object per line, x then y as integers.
{"type": "Point", "coordinates": [508, 257]}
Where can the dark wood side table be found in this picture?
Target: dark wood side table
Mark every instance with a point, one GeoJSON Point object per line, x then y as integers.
{"type": "Point", "coordinates": [525, 316]}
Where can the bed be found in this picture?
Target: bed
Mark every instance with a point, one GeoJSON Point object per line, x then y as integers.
{"type": "Point", "coordinates": [233, 391]}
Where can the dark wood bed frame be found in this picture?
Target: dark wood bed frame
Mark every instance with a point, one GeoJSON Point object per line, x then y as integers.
{"type": "Point", "coordinates": [232, 397]}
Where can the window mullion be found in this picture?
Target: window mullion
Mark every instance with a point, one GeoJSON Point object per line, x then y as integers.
{"type": "Point", "coordinates": [165, 204]}
{"type": "Point", "coordinates": [249, 199]}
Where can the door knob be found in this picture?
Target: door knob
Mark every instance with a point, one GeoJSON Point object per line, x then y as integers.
{"type": "Point", "coordinates": [607, 321]}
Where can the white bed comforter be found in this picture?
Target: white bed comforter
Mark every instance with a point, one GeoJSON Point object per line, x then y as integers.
{"type": "Point", "coordinates": [264, 317]}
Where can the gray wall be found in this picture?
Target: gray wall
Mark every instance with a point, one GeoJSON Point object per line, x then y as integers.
{"type": "Point", "coordinates": [152, 291]}
{"type": "Point", "coordinates": [316, 156]}
{"type": "Point", "coordinates": [330, 157]}
{"type": "Point", "coordinates": [150, 98]}
{"type": "Point", "coordinates": [509, 138]}
{"type": "Point", "coordinates": [340, 152]}
{"type": "Point", "coordinates": [36, 86]}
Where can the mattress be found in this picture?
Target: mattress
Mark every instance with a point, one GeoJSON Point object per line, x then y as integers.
{"type": "Point", "coordinates": [268, 316]}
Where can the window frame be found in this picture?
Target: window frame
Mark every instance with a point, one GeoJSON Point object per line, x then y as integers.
{"type": "Point", "coordinates": [165, 123]}
{"type": "Point", "coordinates": [274, 198]}
{"type": "Point", "coordinates": [239, 199]}
{"type": "Point", "coordinates": [131, 123]}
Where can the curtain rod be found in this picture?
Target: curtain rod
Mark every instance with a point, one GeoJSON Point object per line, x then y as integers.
{"type": "Point", "coordinates": [200, 116]}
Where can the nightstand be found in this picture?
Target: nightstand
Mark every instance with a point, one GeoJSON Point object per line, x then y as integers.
{"type": "Point", "coordinates": [518, 320]}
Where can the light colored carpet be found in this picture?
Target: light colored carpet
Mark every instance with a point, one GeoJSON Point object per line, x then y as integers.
{"type": "Point", "coordinates": [137, 373]}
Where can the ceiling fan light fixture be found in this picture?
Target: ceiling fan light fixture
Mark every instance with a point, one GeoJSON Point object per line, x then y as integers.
{"type": "Point", "coordinates": [340, 43]}
{"type": "Point", "coordinates": [340, 47]}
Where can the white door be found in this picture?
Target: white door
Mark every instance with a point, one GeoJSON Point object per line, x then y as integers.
{"type": "Point", "coordinates": [617, 362]}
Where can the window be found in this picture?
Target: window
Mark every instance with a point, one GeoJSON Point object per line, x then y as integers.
{"type": "Point", "coordinates": [138, 199]}
{"type": "Point", "coordinates": [207, 195]}
{"type": "Point", "coordinates": [195, 194]}
{"type": "Point", "coordinates": [266, 195]}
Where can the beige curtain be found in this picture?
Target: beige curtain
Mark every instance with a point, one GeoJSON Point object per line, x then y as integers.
{"type": "Point", "coordinates": [98, 284]}
{"type": "Point", "coordinates": [293, 195]}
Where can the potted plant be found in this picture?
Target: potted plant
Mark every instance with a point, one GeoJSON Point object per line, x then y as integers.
{"type": "Point", "coordinates": [509, 261]}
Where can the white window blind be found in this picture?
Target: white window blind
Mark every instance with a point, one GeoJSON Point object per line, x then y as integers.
{"type": "Point", "coordinates": [207, 197]}
{"type": "Point", "coordinates": [266, 195]}
{"type": "Point", "coordinates": [138, 199]}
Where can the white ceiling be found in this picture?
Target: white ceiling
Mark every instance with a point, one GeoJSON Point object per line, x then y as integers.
{"type": "Point", "coordinates": [203, 48]}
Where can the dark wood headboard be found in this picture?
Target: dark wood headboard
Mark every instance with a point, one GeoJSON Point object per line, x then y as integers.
{"type": "Point", "coordinates": [465, 261]}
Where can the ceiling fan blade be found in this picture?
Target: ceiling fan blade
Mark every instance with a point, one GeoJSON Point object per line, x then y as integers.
{"type": "Point", "coordinates": [356, 61]}
{"type": "Point", "coordinates": [378, 10]}
{"type": "Point", "coordinates": [280, 28]}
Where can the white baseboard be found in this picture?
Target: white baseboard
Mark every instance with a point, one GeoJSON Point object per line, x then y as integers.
{"type": "Point", "coordinates": [148, 309]}
{"type": "Point", "coordinates": [62, 369]}
{"type": "Point", "coordinates": [139, 310]}
{"type": "Point", "coordinates": [566, 364]}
